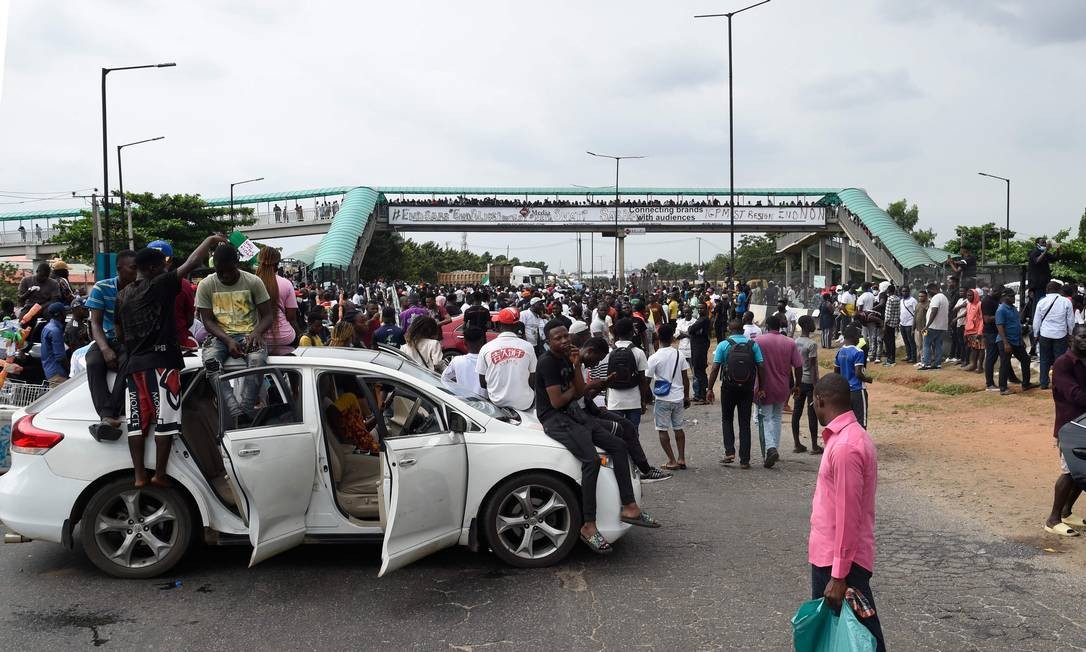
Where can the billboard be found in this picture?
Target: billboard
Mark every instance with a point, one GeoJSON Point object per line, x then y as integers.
{"type": "Point", "coordinates": [746, 217]}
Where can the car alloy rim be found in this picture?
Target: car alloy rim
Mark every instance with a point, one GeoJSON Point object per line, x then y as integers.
{"type": "Point", "coordinates": [533, 521]}
{"type": "Point", "coordinates": [135, 529]}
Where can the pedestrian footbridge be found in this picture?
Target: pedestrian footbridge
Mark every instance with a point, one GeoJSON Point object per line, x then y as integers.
{"type": "Point", "coordinates": [819, 230]}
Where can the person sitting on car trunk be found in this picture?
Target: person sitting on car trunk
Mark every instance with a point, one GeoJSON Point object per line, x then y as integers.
{"type": "Point", "coordinates": [559, 387]}
{"type": "Point", "coordinates": [146, 325]}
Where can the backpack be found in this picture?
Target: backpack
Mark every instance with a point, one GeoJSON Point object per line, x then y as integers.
{"type": "Point", "coordinates": [741, 369]}
{"type": "Point", "coordinates": [623, 364]}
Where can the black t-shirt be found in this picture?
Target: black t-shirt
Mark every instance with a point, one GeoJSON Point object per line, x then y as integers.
{"type": "Point", "coordinates": [988, 307]}
{"type": "Point", "coordinates": [477, 316]}
{"type": "Point", "coordinates": [551, 371]}
{"type": "Point", "coordinates": [566, 321]}
{"type": "Point", "coordinates": [968, 265]}
{"type": "Point", "coordinates": [145, 311]}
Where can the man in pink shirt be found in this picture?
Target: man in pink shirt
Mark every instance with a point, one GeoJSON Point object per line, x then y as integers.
{"type": "Point", "coordinates": [841, 548]}
{"type": "Point", "coordinates": [782, 362]}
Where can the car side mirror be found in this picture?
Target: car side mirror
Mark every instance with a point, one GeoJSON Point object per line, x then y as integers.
{"type": "Point", "coordinates": [457, 422]}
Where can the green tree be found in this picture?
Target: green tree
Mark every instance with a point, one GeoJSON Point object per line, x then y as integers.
{"type": "Point", "coordinates": [756, 255]}
{"type": "Point", "coordinates": [983, 240]}
{"type": "Point", "coordinates": [535, 263]}
{"type": "Point", "coordinates": [9, 281]}
{"type": "Point", "coordinates": [906, 216]}
{"type": "Point", "coordinates": [183, 220]}
{"type": "Point", "coordinates": [1082, 226]}
{"type": "Point", "coordinates": [925, 237]}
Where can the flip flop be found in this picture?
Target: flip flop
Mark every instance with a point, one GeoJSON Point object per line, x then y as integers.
{"type": "Point", "coordinates": [682, 466]}
{"type": "Point", "coordinates": [1060, 528]}
{"type": "Point", "coordinates": [641, 520]}
{"type": "Point", "coordinates": [597, 543]}
{"type": "Point", "coordinates": [672, 467]}
{"type": "Point", "coordinates": [1074, 521]}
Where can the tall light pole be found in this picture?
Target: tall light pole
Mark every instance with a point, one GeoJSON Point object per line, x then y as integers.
{"type": "Point", "coordinates": [120, 184]}
{"type": "Point", "coordinates": [620, 237]}
{"type": "Point", "coordinates": [238, 183]}
{"type": "Point", "coordinates": [105, 150]}
{"type": "Point", "coordinates": [731, 140]}
{"type": "Point", "coordinates": [1007, 235]}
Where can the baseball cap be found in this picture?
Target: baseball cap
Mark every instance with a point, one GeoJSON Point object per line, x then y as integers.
{"type": "Point", "coordinates": [578, 327]}
{"type": "Point", "coordinates": [507, 316]}
{"type": "Point", "coordinates": [56, 308]}
{"type": "Point", "coordinates": [78, 302]}
{"type": "Point", "coordinates": [534, 301]}
{"type": "Point", "coordinates": [162, 246]}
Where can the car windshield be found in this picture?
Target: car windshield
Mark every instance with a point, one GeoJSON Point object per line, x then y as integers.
{"type": "Point", "coordinates": [474, 400]}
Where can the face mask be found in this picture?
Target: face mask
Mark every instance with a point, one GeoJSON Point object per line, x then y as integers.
{"type": "Point", "coordinates": [1041, 248]}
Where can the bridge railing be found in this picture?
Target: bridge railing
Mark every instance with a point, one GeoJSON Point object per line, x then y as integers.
{"type": "Point", "coordinates": [290, 216]}
{"type": "Point", "coordinates": [30, 237]}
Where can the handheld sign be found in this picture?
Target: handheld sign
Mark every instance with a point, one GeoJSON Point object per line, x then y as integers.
{"type": "Point", "coordinates": [247, 249]}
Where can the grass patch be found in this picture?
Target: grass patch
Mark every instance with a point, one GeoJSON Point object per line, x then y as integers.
{"type": "Point", "coordinates": [947, 389]}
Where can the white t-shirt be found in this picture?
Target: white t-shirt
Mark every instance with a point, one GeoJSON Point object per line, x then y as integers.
{"type": "Point", "coordinates": [506, 362]}
{"type": "Point", "coordinates": [600, 327]}
{"type": "Point", "coordinates": [940, 308]}
{"type": "Point", "coordinates": [626, 399]}
{"type": "Point", "coordinates": [908, 311]}
{"type": "Point", "coordinates": [750, 331]}
{"type": "Point", "coordinates": [461, 371]}
{"type": "Point", "coordinates": [662, 366]}
{"type": "Point", "coordinates": [683, 326]}
{"type": "Point", "coordinates": [865, 302]}
{"type": "Point", "coordinates": [959, 310]}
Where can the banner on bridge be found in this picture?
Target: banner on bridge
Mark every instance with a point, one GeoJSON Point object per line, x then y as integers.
{"type": "Point", "coordinates": [746, 217]}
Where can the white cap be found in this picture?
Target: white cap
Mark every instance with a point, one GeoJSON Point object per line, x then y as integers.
{"type": "Point", "coordinates": [578, 327]}
{"type": "Point", "coordinates": [534, 301]}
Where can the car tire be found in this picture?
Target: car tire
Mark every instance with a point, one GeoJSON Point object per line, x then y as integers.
{"type": "Point", "coordinates": [136, 533]}
{"type": "Point", "coordinates": [553, 523]}
{"type": "Point", "coordinates": [448, 354]}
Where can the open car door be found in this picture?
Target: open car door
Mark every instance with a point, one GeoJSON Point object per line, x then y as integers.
{"type": "Point", "coordinates": [270, 455]}
{"type": "Point", "coordinates": [425, 474]}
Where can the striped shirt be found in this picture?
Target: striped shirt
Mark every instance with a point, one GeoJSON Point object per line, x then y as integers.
{"type": "Point", "coordinates": [103, 296]}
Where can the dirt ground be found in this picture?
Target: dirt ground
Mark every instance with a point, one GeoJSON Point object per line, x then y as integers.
{"type": "Point", "coordinates": [989, 459]}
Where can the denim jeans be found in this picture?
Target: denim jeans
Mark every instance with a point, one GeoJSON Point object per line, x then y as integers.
{"type": "Point", "coordinates": [215, 357]}
{"type": "Point", "coordinates": [771, 424]}
{"type": "Point", "coordinates": [910, 343]}
{"type": "Point", "coordinates": [871, 335]}
{"type": "Point", "coordinates": [933, 347]}
{"type": "Point", "coordinates": [1050, 350]}
{"type": "Point", "coordinates": [633, 416]}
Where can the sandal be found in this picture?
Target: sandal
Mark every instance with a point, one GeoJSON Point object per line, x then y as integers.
{"type": "Point", "coordinates": [1059, 528]}
{"type": "Point", "coordinates": [1074, 521]}
{"type": "Point", "coordinates": [728, 459]}
{"type": "Point", "coordinates": [670, 466]}
{"type": "Point", "coordinates": [641, 520]}
{"type": "Point", "coordinates": [597, 543]}
{"type": "Point", "coordinates": [682, 466]}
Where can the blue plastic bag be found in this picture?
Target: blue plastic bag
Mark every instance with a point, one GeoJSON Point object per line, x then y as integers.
{"type": "Point", "coordinates": [816, 628]}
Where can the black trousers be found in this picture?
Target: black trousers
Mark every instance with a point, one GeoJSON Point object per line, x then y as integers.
{"type": "Point", "coordinates": [910, 343]}
{"type": "Point", "coordinates": [858, 398]}
{"type": "Point", "coordinates": [805, 398]}
{"type": "Point", "coordinates": [629, 434]}
{"type": "Point", "coordinates": [858, 578]}
{"type": "Point", "coordinates": [107, 403]}
{"type": "Point", "coordinates": [889, 343]}
{"type": "Point", "coordinates": [699, 355]}
{"type": "Point", "coordinates": [1017, 351]}
{"type": "Point", "coordinates": [732, 399]}
{"type": "Point", "coordinates": [581, 434]}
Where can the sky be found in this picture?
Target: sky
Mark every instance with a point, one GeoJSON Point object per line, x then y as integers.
{"type": "Point", "coordinates": [905, 98]}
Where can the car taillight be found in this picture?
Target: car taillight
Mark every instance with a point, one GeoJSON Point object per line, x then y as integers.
{"type": "Point", "coordinates": [28, 438]}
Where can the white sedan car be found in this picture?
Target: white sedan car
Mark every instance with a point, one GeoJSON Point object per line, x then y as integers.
{"type": "Point", "coordinates": [300, 466]}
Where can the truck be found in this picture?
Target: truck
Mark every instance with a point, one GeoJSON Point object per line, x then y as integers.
{"type": "Point", "coordinates": [460, 278]}
{"type": "Point", "coordinates": [525, 276]}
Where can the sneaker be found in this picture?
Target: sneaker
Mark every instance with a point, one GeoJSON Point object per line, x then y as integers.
{"type": "Point", "coordinates": [890, 364]}
{"type": "Point", "coordinates": [654, 475]}
{"type": "Point", "coordinates": [991, 388]}
{"type": "Point", "coordinates": [817, 450]}
{"type": "Point", "coordinates": [877, 360]}
{"type": "Point", "coordinates": [919, 365]}
{"type": "Point", "coordinates": [925, 368]}
{"type": "Point", "coordinates": [1028, 386]}
{"type": "Point", "coordinates": [1005, 392]}
{"type": "Point", "coordinates": [745, 467]}
{"type": "Point", "coordinates": [938, 366]}
{"type": "Point", "coordinates": [771, 457]}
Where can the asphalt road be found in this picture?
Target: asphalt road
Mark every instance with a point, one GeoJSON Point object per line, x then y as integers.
{"type": "Point", "coordinates": [727, 572]}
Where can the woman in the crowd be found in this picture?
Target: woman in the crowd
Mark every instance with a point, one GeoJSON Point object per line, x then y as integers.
{"type": "Point", "coordinates": [974, 333]}
{"type": "Point", "coordinates": [342, 335]}
{"type": "Point", "coordinates": [424, 343]}
{"type": "Point", "coordinates": [280, 336]}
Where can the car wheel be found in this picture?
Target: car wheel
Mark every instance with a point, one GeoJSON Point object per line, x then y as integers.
{"type": "Point", "coordinates": [532, 520]}
{"type": "Point", "coordinates": [136, 533]}
{"type": "Point", "coordinates": [448, 355]}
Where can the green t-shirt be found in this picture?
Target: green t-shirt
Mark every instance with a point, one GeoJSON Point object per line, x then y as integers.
{"type": "Point", "coordinates": [234, 305]}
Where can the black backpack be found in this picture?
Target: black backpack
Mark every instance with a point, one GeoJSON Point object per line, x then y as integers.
{"type": "Point", "coordinates": [741, 368]}
{"type": "Point", "coordinates": [623, 364]}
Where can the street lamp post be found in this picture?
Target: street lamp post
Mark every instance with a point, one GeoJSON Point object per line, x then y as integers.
{"type": "Point", "coordinates": [120, 184]}
{"type": "Point", "coordinates": [105, 148]}
{"type": "Point", "coordinates": [620, 237]}
{"type": "Point", "coordinates": [731, 140]}
{"type": "Point", "coordinates": [238, 183]}
{"type": "Point", "coordinates": [1007, 234]}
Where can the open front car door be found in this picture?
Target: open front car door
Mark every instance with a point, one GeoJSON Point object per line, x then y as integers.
{"type": "Point", "coordinates": [270, 455]}
{"type": "Point", "coordinates": [425, 470]}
